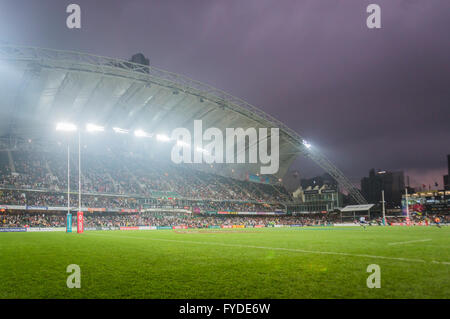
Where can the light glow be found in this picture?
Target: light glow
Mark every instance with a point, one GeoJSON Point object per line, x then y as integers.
{"type": "Point", "coordinates": [162, 138]}
{"type": "Point", "coordinates": [201, 150]}
{"type": "Point", "coordinates": [120, 130]}
{"type": "Point", "coordinates": [182, 144]}
{"type": "Point", "coordinates": [306, 144]}
{"type": "Point", "coordinates": [66, 127]}
{"type": "Point", "coordinates": [94, 128]}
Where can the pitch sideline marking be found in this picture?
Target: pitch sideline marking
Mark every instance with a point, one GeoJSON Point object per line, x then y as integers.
{"type": "Point", "coordinates": [408, 242]}
{"type": "Point", "coordinates": [282, 249]}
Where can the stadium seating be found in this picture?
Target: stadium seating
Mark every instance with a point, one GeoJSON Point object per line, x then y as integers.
{"type": "Point", "coordinates": [37, 178]}
{"type": "Point", "coordinates": [157, 219]}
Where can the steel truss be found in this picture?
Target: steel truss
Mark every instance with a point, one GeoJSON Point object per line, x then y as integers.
{"type": "Point", "coordinates": [82, 62]}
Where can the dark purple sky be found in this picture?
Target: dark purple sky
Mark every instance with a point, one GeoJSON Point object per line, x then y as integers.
{"type": "Point", "coordinates": [366, 98]}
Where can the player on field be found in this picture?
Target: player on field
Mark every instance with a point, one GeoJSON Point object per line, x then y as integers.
{"type": "Point", "coordinates": [437, 221]}
{"type": "Point", "coordinates": [362, 221]}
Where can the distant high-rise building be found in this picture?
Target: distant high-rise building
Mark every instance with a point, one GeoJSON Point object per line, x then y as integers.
{"type": "Point", "coordinates": [393, 184]}
{"type": "Point", "coordinates": [447, 177]}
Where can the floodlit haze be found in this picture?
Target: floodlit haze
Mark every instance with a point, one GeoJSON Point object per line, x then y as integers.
{"type": "Point", "coordinates": [366, 98]}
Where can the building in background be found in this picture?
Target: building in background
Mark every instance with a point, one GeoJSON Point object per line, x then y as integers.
{"type": "Point", "coordinates": [428, 203]}
{"type": "Point", "coordinates": [321, 180]}
{"type": "Point", "coordinates": [318, 199]}
{"type": "Point", "coordinates": [393, 184]}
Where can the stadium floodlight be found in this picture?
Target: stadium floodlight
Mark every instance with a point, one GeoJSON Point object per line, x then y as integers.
{"type": "Point", "coordinates": [120, 130]}
{"type": "Point", "coordinates": [306, 144]}
{"type": "Point", "coordinates": [183, 144]}
{"type": "Point", "coordinates": [66, 127]}
{"type": "Point", "coordinates": [94, 128]}
{"type": "Point", "coordinates": [141, 133]}
{"type": "Point", "coordinates": [201, 150]}
{"type": "Point", "coordinates": [162, 138]}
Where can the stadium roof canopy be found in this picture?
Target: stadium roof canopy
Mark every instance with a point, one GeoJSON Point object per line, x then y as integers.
{"type": "Point", "coordinates": [40, 87]}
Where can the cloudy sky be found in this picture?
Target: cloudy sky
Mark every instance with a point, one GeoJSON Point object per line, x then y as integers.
{"type": "Point", "coordinates": [366, 98]}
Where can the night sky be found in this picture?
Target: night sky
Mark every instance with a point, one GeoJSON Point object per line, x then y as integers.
{"type": "Point", "coordinates": [366, 98]}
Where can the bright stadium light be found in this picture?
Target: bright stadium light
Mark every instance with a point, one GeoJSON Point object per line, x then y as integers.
{"type": "Point", "coordinates": [162, 138]}
{"type": "Point", "coordinates": [120, 130]}
{"type": "Point", "coordinates": [67, 127]}
{"type": "Point", "coordinates": [201, 150]}
{"type": "Point", "coordinates": [94, 128]}
{"type": "Point", "coordinates": [181, 143]}
{"type": "Point", "coordinates": [141, 133]}
{"type": "Point", "coordinates": [306, 144]}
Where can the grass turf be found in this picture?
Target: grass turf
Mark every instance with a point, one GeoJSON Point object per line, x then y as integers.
{"type": "Point", "coordinates": [249, 263]}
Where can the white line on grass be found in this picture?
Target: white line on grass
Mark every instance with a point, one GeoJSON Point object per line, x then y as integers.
{"type": "Point", "coordinates": [278, 248]}
{"type": "Point", "coordinates": [409, 242]}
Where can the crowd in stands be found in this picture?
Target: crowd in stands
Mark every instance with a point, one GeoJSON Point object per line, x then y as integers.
{"type": "Point", "coordinates": [113, 182]}
{"type": "Point", "coordinates": [415, 219]}
{"type": "Point", "coordinates": [32, 220]}
{"type": "Point", "coordinates": [114, 175]}
{"type": "Point", "coordinates": [99, 219]}
{"type": "Point", "coordinates": [153, 219]}
{"type": "Point", "coordinates": [59, 199]}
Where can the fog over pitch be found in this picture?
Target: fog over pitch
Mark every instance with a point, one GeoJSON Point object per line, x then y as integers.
{"type": "Point", "coordinates": [366, 98]}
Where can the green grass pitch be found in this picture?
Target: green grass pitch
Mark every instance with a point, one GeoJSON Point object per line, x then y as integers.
{"type": "Point", "coordinates": [246, 263]}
